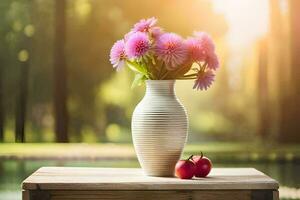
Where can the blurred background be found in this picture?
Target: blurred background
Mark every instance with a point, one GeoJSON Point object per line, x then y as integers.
{"type": "Point", "coordinates": [57, 85]}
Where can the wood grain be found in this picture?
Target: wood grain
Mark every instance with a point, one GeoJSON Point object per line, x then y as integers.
{"type": "Point", "coordinates": [161, 195]}
{"type": "Point", "coordinates": [276, 195]}
{"type": "Point", "coordinates": [69, 178]}
{"type": "Point", "coordinates": [25, 195]}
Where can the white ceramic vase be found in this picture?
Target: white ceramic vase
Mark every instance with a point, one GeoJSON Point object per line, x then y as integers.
{"type": "Point", "coordinates": [159, 128]}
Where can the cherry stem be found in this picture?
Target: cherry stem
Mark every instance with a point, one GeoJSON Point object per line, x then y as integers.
{"type": "Point", "coordinates": [201, 155]}
{"type": "Point", "coordinates": [190, 158]}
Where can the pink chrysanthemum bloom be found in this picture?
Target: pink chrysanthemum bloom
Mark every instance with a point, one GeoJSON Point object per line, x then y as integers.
{"type": "Point", "coordinates": [204, 80]}
{"type": "Point", "coordinates": [212, 61]}
{"type": "Point", "coordinates": [144, 25]}
{"type": "Point", "coordinates": [206, 42]}
{"type": "Point", "coordinates": [195, 50]}
{"type": "Point", "coordinates": [117, 55]}
{"type": "Point", "coordinates": [137, 45]}
{"type": "Point", "coordinates": [155, 33]}
{"type": "Point", "coordinates": [171, 49]}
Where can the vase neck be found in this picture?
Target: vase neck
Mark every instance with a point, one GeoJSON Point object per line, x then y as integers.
{"type": "Point", "coordinates": [160, 87]}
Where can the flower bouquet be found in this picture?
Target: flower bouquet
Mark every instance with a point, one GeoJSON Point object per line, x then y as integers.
{"type": "Point", "coordinates": [157, 55]}
{"type": "Point", "coordinates": [159, 121]}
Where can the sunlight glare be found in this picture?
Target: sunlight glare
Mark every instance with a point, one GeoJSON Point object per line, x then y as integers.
{"type": "Point", "coordinates": [247, 20]}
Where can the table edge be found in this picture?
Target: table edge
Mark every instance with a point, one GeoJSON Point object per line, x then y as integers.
{"type": "Point", "coordinates": [272, 184]}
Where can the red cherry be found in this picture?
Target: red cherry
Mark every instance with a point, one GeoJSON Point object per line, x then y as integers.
{"type": "Point", "coordinates": [185, 169]}
{"type": "Point", "coordinates": [203, 165]}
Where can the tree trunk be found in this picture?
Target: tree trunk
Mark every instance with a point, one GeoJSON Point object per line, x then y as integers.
{"type": "Point", "coordinates": [279, 54]}
{"type": "Point", "coordinates": [292, 125]}
{"type": "Point", "coordinates": [264, 129]}
{"type": "Point", "coordinates": [21, 102]}
{"type": "Point", "coordinates": [60, 73]}
{"type": "Point", "coordinates": [2, 112]}
{"type": "Point", "coordinates": [290, 104]}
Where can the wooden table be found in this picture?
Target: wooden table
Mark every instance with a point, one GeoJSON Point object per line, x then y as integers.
{"type": "Point", "coordinates": [58, 183]}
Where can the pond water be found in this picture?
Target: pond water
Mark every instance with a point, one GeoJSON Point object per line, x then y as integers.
{"type": "Point", "coordinates": [12, 172]}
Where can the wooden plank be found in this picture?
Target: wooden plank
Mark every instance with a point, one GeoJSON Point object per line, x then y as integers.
{"type": "Point", "coordinates": [64, 178]}
{"type": "Point", "coordinates": [276, 195]}
{"type": "Point", "coordinates": [262, 195]}
{"type": "Point", "coordinates": [25, 195]}
{"type": "Point", "coordinates": [222, 195]}
{"type": "Point", "coordinates": [145, 195]}
{"type": "Point", "coordinates": [37, 195]}
{"type": "Point", "coordinates": [126, 195]}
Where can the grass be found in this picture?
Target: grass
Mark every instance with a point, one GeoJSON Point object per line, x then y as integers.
{"type": "Point", "coordinates": [216, 150]}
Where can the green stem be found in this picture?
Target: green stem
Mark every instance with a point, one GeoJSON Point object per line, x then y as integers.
{"type": "Point", "coordinates": [203, 67]}
{"type": "Point", "coordinates": [151, 77]}
{"type": "Point", "coordinates": [186, 78]}
{"type": "Point", "coordinates": [160, 70]}
{"type": "Point", "coordinates": [165, 75]}
{"type": "Point", "coordinates": [178, 70]}
{"type": "Point", "coordinates": [189, 75]}
{"type": "Point", "coordinates": [190, 158]}
{"type": "Point", "coordinates": [175, 73]}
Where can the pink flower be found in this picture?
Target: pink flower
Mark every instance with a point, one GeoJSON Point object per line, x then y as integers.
{"type": "Point", "coordinates": [204, 80]}
{"type": "Point", "coordinates": [195, 50]}
{"type": "Point", "coordinates": [155, 32]}
{"type": "Point", "coordinates": [212, 61]}
{"type": "Point", "coordinates": [144, 25]}
{"type": "Point", "coordinates": [206, 42]}
{"type": "Point", "coordinates": [117, 55]}
{"type": "Point", "coordinates": [137, 45]}
{"type": "Point", "coordinates": [170, 48]}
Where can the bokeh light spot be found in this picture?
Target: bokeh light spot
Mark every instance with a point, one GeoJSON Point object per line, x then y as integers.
{"type": "Point", "coordinates": [29, 30]}
{"type": "Point", "coordinates": [83, 8]}
{"type": "Point", "coordinates": [113, 132]}
{"type": "Point", "coordinates": [23, 55]}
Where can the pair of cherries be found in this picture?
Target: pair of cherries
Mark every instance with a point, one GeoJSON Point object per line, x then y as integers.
{"type": "Point", "coordinates": [198, 166]}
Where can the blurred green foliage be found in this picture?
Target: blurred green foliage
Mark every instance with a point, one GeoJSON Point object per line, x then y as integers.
{"type": "Point", "coordinates": [100, 101]}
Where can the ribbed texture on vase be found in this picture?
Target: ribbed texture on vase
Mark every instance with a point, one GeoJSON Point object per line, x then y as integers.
{"type": "Point", "coordinates": [159, 129]}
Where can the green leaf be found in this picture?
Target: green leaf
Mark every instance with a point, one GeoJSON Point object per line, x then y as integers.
{"type": "Point", "coordinates": [139, 79]}
{"type": "Point", "coordinates": [136, 67]}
